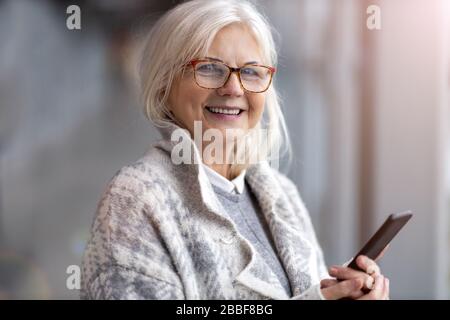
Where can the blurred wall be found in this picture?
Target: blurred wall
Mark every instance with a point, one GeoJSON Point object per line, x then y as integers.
{"type": "Point", "coordinates": [71, 121]}
{"type": "Point", "coordinates": [410, 140]}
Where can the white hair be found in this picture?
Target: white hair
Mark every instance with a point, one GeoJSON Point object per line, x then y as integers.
{"type": "Point", "coordinates": [185, 33]}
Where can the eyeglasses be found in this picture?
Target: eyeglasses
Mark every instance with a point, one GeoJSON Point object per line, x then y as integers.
{"type": "Point", "coordinates": [211, 74]}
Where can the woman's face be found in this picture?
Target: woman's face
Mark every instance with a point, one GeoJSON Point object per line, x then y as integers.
{"type": "Point", "coordinates": [235, 46]}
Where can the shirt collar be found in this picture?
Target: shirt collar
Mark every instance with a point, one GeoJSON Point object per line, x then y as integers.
{"type": "Point", "coordinates": [234, 186]}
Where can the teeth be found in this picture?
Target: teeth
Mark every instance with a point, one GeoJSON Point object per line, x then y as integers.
{"type": "Point", "coordinates": [224, 111]}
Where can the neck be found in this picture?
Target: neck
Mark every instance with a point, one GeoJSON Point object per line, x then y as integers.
{"type": "Point", "coordinates": [222, 169]}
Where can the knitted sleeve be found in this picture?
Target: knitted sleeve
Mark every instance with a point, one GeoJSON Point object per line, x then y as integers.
{"type": "Point", "coordinates": [126, 257]}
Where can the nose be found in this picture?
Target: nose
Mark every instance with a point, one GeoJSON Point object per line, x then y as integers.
{"type": "Point", "coordinates": [232, 87]}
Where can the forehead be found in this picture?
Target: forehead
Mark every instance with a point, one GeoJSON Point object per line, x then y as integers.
{"type": "Point", "coordinates": [235, 44]}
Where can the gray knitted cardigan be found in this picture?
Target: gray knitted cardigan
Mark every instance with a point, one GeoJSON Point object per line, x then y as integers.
{"type": "Point", "coordinates": [161, 233]}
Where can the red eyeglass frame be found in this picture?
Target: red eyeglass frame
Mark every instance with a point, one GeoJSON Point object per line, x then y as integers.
{"type": "Point", "coordinates": [272, 70]}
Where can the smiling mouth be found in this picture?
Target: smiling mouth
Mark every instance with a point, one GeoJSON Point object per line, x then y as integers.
{"type": "Point", "coordinates": [233, 111]}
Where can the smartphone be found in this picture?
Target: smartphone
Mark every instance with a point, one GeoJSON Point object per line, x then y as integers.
{"type": "Point", "coordinates": [382, 237]}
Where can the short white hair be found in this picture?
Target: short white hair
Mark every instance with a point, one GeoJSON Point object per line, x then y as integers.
{"type": "Point", "coordinates": [185, 33]}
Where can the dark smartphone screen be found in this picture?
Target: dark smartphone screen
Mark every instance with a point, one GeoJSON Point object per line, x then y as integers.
{"type": "Point", "coordinates": [383, 236]}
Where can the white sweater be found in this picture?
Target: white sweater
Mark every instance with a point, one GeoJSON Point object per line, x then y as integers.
{"type": "Point", "coordinates": [161, 233]}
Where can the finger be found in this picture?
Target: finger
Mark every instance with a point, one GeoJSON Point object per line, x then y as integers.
{"type": "Point", "coordinates": [377, 292]}
{"type": "Point", "coordinates": [325, 283]}
{"type": "Point", "coordinates": [342, 289]}
{"type": "Point", "coordinates": [382, 253]}
{"type": "Point", "coordinates": [343, 273]}
{"type": "Point", "coordinates": [368, 265]}
{"type": "Point", "coordinates": [357, 294]}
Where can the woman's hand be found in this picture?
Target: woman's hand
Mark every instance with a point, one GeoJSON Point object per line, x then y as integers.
{"type": "Point", "coordinates": [368, 284]}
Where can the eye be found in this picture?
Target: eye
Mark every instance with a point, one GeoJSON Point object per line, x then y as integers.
{"type": "Point", "coordinates": [249, 71]}
{"type": "Point", "coordinates": [252, 73]}
{"type": "Point", "coordinates": [209, 69]}
{"type": "Point", "coordinates": [206, 67]}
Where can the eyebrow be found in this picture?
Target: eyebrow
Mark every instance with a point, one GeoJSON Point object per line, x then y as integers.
{"type": "Point", "coordinates": [218, 60]}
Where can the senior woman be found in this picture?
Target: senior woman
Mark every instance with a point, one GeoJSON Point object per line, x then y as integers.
{"type": "Point", "coordinates": [184, 223]}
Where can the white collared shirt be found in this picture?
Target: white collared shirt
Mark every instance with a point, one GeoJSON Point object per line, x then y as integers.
{"type": "Point", "coordinates": [234, 186]}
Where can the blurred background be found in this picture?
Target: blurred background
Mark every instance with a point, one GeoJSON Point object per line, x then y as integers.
{"type": "Point", "coordinates": [367, 110]}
